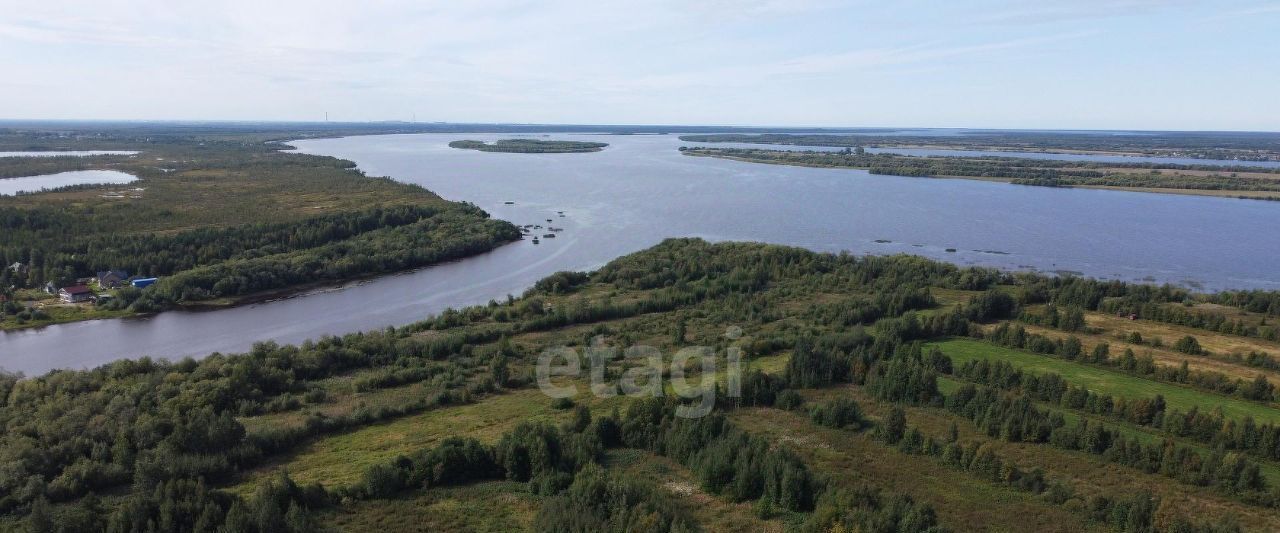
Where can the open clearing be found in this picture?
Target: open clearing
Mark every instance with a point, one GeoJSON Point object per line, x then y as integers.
{"type": "Point", "coordinates": [1106, 381]}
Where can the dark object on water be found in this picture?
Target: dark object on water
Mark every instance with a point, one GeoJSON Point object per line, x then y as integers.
{"type": "Point", "coordinates": [951, 250]}
{"type": "Point", "coordinates": [548, 220]}
{"type": "Point", "coordinates": [549, 236]}
{"type": "Point", "coordinates": [882, 241]}
{"type": "Point", "coordinates": [535, 240]}
{"type": "Point", "coordinates": [509, 202]}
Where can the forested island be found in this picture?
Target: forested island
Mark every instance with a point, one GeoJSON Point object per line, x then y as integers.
{"type": "Point", "coordinates": [530, 146]}
{"type": "Point", "coordinates": [1236, 181]}
{"type": "Point", "coordinates": [1240, 146]}
{"type": "Point", "coordinates": [219, 219]}
{"type": "Point", "coordinates": [880, 394]}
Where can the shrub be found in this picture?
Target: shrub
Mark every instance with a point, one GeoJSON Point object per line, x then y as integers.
{"type": "Point", "coordinates": [1188, 345]}
{"type": "Point", "coordinates": [839, 413]}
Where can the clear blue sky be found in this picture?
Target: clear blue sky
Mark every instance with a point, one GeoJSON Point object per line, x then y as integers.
{"type": "Point", "coordinates": [1082, 64]}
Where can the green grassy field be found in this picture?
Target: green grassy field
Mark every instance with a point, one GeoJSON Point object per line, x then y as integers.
{"type": "Point", "coordinates": [1106, 381]}
{"type": "Point", "coordinates": [1144, 435]}
{"type": "Point", "coordinates": [494, 506]}
{"type": "Point", "coordinates": [60, 313]}
{"type": "Point", "coordinates": [1223, 348]}
{"type": "Point", "coordinates": [959, 497]}
{"type": "Point", "coordinates": [1086, 473]}
{"type": "Point", "coordinates": [341, 459]}
{"type": "Point", "coordinates": [858, 458]}
{"type": "Point", "coordinates": [491, 506]}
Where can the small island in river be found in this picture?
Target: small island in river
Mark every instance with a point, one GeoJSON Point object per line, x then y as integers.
{"type": "Point", "coordinates": [1205, 180]}
{"type": "Point", "coordinates": [530, 146]}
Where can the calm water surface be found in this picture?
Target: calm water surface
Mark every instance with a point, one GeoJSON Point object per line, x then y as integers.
{"type": "Point", "coordinates": [11, 186]}
{"type": "Point", "coordinates": [640, 190]}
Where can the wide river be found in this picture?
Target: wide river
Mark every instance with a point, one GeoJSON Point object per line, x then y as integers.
{"type": "Point", "coordinates": [640, 190]}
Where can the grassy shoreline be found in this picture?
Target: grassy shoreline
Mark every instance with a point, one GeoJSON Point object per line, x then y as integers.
{"type": "Point", "coordinates": [1215, 146]}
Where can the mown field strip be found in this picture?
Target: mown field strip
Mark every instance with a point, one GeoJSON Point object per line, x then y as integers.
{"type": "Point", "coordinates": [1105, 381]}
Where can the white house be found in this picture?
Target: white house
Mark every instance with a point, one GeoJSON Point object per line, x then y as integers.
{"type": "Point", "coordinates": [75, 293]}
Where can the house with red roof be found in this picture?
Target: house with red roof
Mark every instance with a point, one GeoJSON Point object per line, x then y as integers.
{"type": "Point", "coordinates": [75, 294]}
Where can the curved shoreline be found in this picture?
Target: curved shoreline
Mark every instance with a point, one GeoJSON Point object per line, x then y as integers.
{"type": "Point", "coordinates": [607, 219]}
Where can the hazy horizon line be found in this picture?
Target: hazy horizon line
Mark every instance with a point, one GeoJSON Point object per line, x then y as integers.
{"type": "Point", "coordinates": [37, 121]}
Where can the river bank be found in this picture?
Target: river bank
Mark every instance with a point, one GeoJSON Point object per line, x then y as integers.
{"type": "Point", "coordinates": [1272, 195]}
{"type": "Point", "coordinates": [641, 190]}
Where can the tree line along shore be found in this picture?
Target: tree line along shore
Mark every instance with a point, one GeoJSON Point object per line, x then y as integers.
{"type": "Point", "coordinates": [217, 220]}
{"type": "Point", "coordinates": [1207, 180]}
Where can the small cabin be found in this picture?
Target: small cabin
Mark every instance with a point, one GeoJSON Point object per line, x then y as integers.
{"type": "Point", "coordinates": [75, 294]}
{"type": "Point", "coordinates": [142, 283]}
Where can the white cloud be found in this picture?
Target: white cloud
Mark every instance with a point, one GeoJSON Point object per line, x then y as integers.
{"type": "Point", "coordinates": [558, 60]}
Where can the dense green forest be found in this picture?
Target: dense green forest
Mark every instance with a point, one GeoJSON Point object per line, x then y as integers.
{"type": "Point", "coordinates": [1019, 171]}
{"type": "Point", "coordinates": [1242, 146]}
{"type": "Point", "coordinates": [224, 217]}
{"type": "Point", "coordinates": [880, 394]}
{"type": "Point", "coordinates": [530, 146]}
